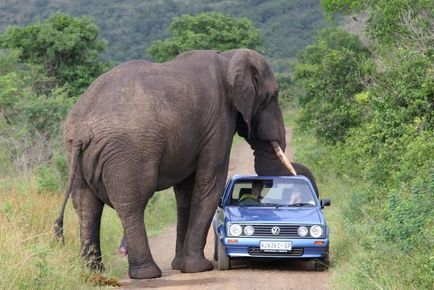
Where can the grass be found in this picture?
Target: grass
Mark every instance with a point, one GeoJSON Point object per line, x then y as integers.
{"type": "Point", "coordinates": [290, 114]}
{"type": "Point", "coordinates": [30, 256]}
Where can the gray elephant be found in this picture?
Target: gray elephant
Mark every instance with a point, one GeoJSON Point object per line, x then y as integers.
{"type": "Point", "coordinates": [143, 127]}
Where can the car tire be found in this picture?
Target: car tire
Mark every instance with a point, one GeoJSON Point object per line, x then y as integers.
{"type": "Point", "coordinates": [323, 263]}
{"type": "Point", "coordinates": [223, 260]}
{"type": "Point", "coordinates": [216, 251]}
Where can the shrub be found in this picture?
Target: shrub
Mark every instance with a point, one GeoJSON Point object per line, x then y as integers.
{"type": "Point", "coordinates": [329, 74]}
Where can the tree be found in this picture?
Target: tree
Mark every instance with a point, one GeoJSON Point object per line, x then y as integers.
{"type": "Point", "coordinates": [66, 49]}
{"type": "Point", "coordinates": [43, 67]}
{"type": "Point", "coordinates": [385, 21]}
{"type": "Point", "coordinates": [206, 31]}
{"type": "Point", "coordinates": [328, 74]}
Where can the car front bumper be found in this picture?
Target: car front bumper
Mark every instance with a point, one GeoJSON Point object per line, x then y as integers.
{"type": "Point", "coordinates": [301, 248]}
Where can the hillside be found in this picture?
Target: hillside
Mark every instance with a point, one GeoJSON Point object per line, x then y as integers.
{"type": "Point", "coordinates": [131, 25]}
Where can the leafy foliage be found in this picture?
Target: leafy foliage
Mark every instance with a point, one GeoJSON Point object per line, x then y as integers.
{"type": "Point", "coordinates": [343, 6]}
{"type": "Point", "coordinates": [66, 49]}
{"type": "Point", "coordinates": [387, 18]}
{"type": "Point", "coordinates": [29, 119]}
{"type": "Point", "coordinates": [130, 26]}
{"type": "Point", "coordinates": [328, 73]}
{"type": "Point", "coordinates": [390, 148]}
{"type": "Point", "coordinates": [44, 67]}
{"type": "Point", "coordinates": [206, 31]}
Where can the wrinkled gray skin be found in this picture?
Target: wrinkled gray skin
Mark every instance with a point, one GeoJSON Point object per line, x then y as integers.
{"type": "Point", "coordinates": [142, 127]}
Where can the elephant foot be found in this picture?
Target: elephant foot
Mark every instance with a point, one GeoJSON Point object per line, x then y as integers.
{"type": "Point", "coordinates": [196, 264]}
{"type": "Point", "coordinates": [145, 272]}
{"type": "Point", "coordinates": [177, 262]}
{"type": "Point", "coordinates": [95, 266]}
{"type": "Point", "coordinates": [94, 263]}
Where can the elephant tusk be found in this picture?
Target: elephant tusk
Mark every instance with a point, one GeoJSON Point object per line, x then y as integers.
{"type": "Point", "coordinates": [282, 157]}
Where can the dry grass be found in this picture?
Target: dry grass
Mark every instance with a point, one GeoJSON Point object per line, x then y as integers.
{"type": "Point", "coordinates": [30, 257]}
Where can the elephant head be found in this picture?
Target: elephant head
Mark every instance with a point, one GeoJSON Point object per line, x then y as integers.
{"type": "Point", "coordinates": [254, 93]}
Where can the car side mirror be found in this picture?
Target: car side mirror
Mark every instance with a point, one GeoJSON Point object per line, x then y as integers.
{"type": "Point", "coordinates": [325, 202]}
{"type": "Point", "coordinates": [221, 201]}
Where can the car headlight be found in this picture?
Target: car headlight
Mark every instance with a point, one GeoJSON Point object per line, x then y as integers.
{"type": "Point", "coordinates": [235, 230]}
{"type": "Point", "coordinates": [302, 231]}
{"type": "Point", "coordinates": [249, 230]}
{"type": "Point", "coordinates": [316, 231]}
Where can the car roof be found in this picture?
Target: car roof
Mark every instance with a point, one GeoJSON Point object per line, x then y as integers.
{"type": "Point", "coordinates": [256, 177]}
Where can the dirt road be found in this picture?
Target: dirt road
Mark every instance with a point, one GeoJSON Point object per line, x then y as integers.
{"type": "Point", "coordinates": [246, 274]}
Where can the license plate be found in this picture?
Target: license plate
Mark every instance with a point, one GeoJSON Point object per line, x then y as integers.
{"type": "Point", "coordinates": [273, 246]}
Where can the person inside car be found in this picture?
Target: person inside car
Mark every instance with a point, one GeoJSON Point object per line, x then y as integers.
{"type": "Point", "coordinates": [299, 195]}
{"type": "Point", "coordinates": [253, 196]}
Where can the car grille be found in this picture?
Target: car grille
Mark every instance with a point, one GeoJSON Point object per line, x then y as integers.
{"type": "Point", "coordinates": [255, 251]}
{"type": "Point", "coordinates": [286, 231]}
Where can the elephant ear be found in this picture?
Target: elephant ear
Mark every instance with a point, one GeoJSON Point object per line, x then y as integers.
{"type": "Point", "coordinates": [242, 78]}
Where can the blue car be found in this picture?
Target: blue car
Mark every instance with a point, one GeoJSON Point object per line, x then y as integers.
{"type": "Point", "coordinates": [271, 217]}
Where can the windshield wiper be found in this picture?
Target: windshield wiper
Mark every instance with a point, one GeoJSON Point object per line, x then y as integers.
{"type": "Point", "coordinates": [269, 204]}
{"type": "Point", "coordinates": [298, 204]}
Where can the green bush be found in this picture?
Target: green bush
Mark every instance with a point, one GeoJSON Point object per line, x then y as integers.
{"type": "Point", "coordinates": [329, 74]}
{"type": "Point", "coordinates": [383, 149]}
{"type": "Point", "coordinates": [67, 49]}
{"type": "Point", "coordinates": [206, 31]}
{"type": "Point", "coordinates": [408, 222]}
{"type": "Point", "coordinates": [47, 179]}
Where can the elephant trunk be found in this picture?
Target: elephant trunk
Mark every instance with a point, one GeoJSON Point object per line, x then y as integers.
{"type": "Point", "coordinates": [270, 160]}
{"type": "Point", "coordinates": [282, 157]}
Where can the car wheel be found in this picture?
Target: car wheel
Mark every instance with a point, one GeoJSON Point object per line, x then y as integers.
{"type": "Point", "coordinates": [216, 251]}
{"type": "Point", "coordinates": [223, 260]}
{"type": "Point", "coordinates": [323, 263]}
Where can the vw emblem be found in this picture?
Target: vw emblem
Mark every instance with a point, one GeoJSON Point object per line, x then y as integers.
{"type": "Point", "coordinates": [275, 230]}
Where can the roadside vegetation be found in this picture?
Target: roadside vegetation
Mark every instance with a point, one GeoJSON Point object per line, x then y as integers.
{"type": "Point", "coordinates": [366, 127]}
{"type": "Point", "coordinates": [363, 112]}
{"type": "Point", "coordinates": [30, 256]}
{"type": "Point", "coordinates": [130, 27]}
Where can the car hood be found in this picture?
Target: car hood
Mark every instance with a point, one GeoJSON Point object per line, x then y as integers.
{"type": "Point", "coordinates": [270, 214]}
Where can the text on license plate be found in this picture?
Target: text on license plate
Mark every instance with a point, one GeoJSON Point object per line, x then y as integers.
{"type": "Point", "coordinates": [275, 246]}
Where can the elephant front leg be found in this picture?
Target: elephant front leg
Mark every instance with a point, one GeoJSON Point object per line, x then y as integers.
{"type": "Point", "coordinates": [183, 193]}
{"type": "Point", "coordinates": [89, 209]}
{"type": "Point", "coordinates": [206, 195]}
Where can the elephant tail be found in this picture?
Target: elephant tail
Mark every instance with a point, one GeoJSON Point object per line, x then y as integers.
{"type": "Point", "coordinates": [74, 173]}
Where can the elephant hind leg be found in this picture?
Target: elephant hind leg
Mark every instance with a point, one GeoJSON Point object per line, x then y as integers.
{"type": "Point", "coordinates": [183, 193]}
{"type": "Point", "coordinates": [89, 209]}
{"type": "Point", "coordinates": [129, 188]}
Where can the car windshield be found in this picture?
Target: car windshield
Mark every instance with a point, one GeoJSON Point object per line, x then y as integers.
{"type": "Point", "coordinates": [274, 193]}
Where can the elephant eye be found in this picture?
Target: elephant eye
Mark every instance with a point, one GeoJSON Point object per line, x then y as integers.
{"type": "Point", "coordinates": [271, 98]}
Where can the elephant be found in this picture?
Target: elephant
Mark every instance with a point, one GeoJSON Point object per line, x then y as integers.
{"type": "Point", "coordinates": [144, 127]}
